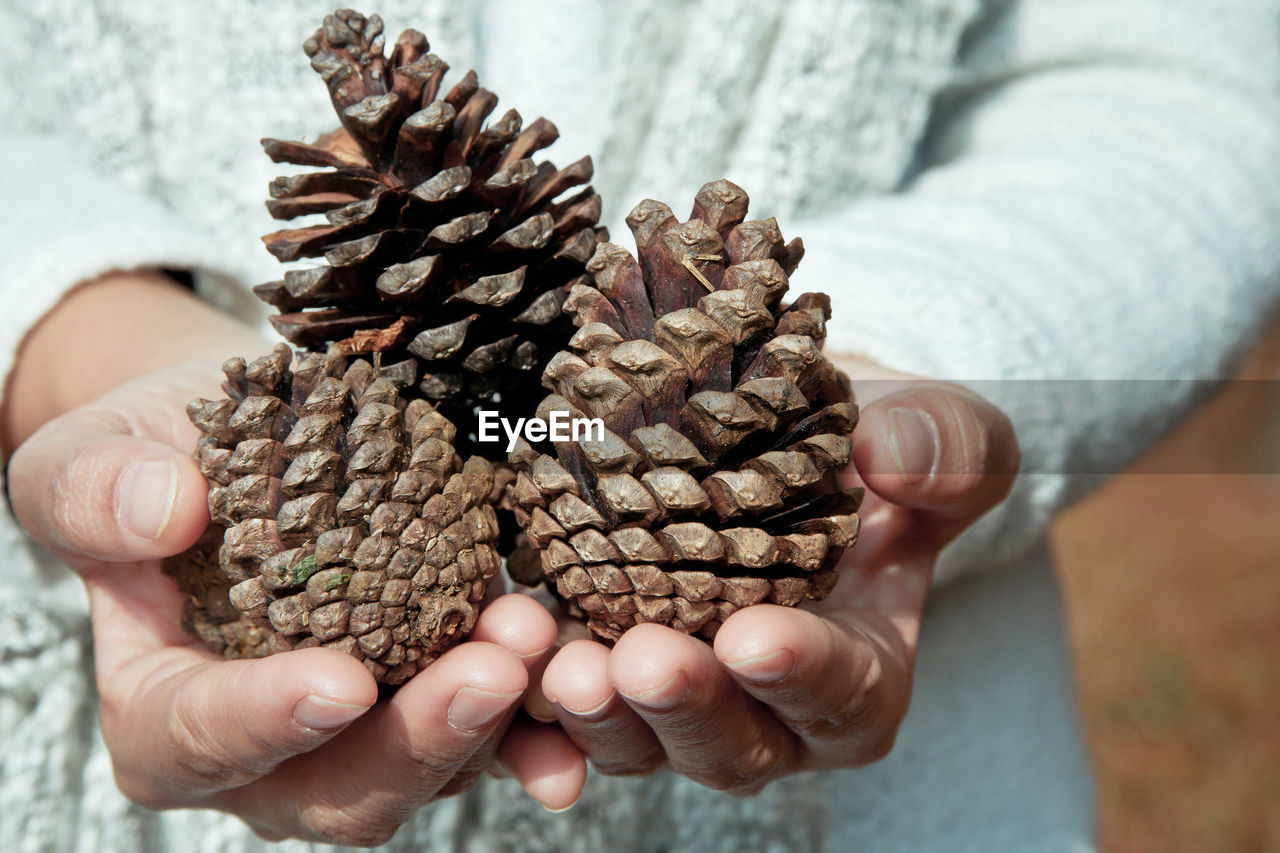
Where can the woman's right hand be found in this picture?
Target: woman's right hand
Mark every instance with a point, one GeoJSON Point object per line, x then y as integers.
{"type": "Point", "coordinates": [295, 744]}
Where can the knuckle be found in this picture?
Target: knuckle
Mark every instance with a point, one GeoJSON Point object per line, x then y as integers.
{"type": "Point", "coordinates": [113, 710]}
{"type": "Point", "coordinates": [748, 790]}
{"type": "Point", "coordinates": [416, 752]}
{"type": "Point", "coordinates": [746, 772]}
{"type": "Point", "coordinates": [30, 477]}
{"type": "Point", "coordinates": [345, 826]}
{"type": "Point", "coordinates": [267, 833]}
{"type": "Point", "coordinates": [201, 757]}
{"type": "Point", "coordinates": [422, 764]}
{"type": "Point", "coordinates": [67, 479]}
{"type": "Point", "coordinates": [878, 748]}
{"type": "Point", "coordinates": [459, 784]}
{"type": "Point", "coordinates": [861, 708]}
{"type": "Point", "coordinates": [19, 473]}
{"type": "Point", "coordinates": [864, 721]}
{"type": "Point", "coordinates": [142, 791]}
{"type": "Point", "coordinates": [644, 765]}
{"type": "Point", "coordinates": [431, 761]}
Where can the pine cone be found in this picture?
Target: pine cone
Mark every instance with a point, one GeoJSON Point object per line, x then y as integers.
{"type": "Point", "coordinates": [715, 483]}
{"type": "Point", "coordinates": [341, 517]}
{"type": "Point", "coordinates": [444, 238]}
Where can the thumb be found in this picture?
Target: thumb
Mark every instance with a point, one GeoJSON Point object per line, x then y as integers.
{"type": "Point", "coordinates": [84, 486]}
{"type": "Point", "coordinates": [939, 449]}
{"type": "Point", "coordinates": [218, 725]}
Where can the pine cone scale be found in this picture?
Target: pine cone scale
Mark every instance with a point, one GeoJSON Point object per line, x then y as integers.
{"type": "Point", "coordinates": [347, 514]}
{"type": "Point", "coordinates": [343, 514]}
{"type": "Point", "coordinates": [714, 485]}
{"type": "Point", "coordinates": [426, 198]}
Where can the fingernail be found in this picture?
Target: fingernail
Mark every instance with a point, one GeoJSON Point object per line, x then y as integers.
{"type": "Point", "coordinates": [914, 442]}
{"type": "Point", "coordinates": [321, 714]}
{"type": "Point", "coordinates": [473, 709]}
{"type": "Point", "coordinates": [539, 707]}
{"type": "Point", "coordinates": [667, 695]}
{"type": "Point", "coordinates": [145, 496]}
{"type": "Point", "coordinates": [591, 713]}
{"type": "Point", "coordinates": [539, 788]}
{"type": "Point", "coordinates": [765, 669]}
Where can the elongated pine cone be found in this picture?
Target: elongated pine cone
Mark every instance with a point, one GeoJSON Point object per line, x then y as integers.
{"type": "Point", "coordinates": [445, 238]}
{"type": "Point", "coordinates": [341, 515]}
{"type": "Point", "coordinates": [714, 485]}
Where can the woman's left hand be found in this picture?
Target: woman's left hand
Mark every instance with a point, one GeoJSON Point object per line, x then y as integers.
{"type": "Point", "coordinates": [785, 690]}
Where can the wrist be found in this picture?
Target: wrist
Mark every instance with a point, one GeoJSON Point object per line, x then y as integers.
{"type": "Point", "coordinates": [105, 332]}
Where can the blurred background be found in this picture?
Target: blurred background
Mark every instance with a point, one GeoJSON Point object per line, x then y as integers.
{"type": "Point", "coordinates": [1173, 596]}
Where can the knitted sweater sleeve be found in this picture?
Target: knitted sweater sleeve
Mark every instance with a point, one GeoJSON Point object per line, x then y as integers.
{"type": "Point", "coordinates": [1096, 205]}
{"type": "Point", "coordinates": [65, 224]}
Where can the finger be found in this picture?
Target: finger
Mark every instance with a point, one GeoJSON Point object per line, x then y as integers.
{"type": "Point", "coordinates": [536, 704]}
{"type": "Point", "coordinates": [938, 449]}
{"type": "Point", "coordinates": [523, 626]}
{"type": "Point", "coordinates": [528, 631]}
{"type": "Point", "coordinates": [545, 763]}
{"type": "Point", "coordinates": [135, 611]}
{"type": "Point", "coordinates": [83, 487]}
{"type": "Point", "coordinates": [518, 624]}
{"type": "Point", "coordinates": [842, 690]}
{"type": "Point", "coordinates": [712, 731]}
{"type": "Point", "coordinates": [595, 718]}
{"type": "Point", "coordinates": [399, 756]}
{"type": "Point", "coordinates": [181, 725]}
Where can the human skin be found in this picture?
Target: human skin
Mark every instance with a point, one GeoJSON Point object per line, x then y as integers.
{"type": "Point", "coordinates": [295, 744]}
{"type": "Point", "coordinates": [784, 690]}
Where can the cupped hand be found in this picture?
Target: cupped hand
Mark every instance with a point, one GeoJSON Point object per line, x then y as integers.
{"type": "Point", "coordinates": [785, 690]}
{"type": "Point", "coordinates": [296, 744]}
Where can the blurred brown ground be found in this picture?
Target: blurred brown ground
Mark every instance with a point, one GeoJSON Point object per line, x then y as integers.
{"type": "Point", "coordinates": [1173, 591]}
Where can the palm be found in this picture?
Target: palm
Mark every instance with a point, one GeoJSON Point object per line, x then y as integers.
{"type": "Point", "coordinates": [293, 743]}
{"type": "Point", "coordinates": [792, 689]}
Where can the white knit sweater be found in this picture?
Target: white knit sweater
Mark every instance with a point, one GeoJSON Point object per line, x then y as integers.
{"type": "Point", "coordinates": [1035, 190]}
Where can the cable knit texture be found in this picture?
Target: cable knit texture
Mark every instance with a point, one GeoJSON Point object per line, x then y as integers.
{"type": "Point", "coordinates": [991, 190]}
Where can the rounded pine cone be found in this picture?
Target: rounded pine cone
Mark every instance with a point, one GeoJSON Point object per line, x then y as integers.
{"type": "Point", "coordinates": [445, 238]}
{"type": "Point", "coordinates": [341, 517]}
{"type": "Point", "coordinates": [714, 485]}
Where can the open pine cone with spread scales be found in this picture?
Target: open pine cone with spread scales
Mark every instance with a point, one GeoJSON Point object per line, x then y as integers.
{"type": "Point", "coordinates": [342, 512]}
{"type": "Point", "coordinates": [341, 517]}
{"type": "Point", "coordinates": [446, 240]}
{"type": "Point", "coordinates": [715, 484]}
